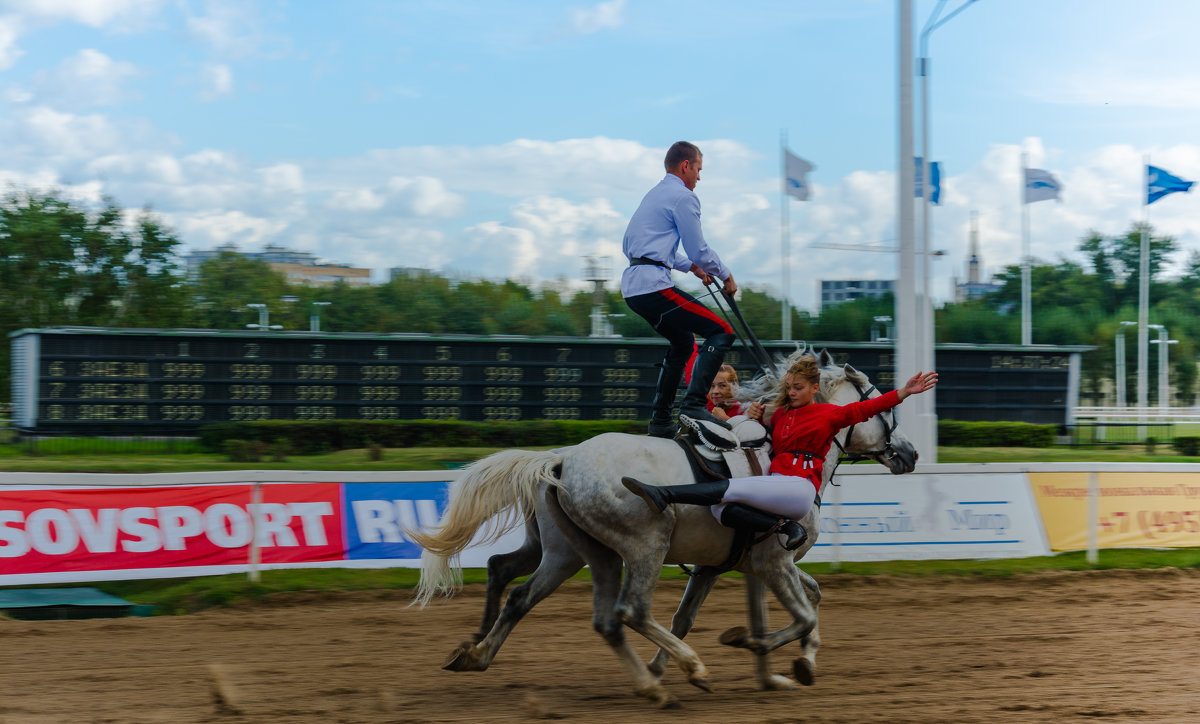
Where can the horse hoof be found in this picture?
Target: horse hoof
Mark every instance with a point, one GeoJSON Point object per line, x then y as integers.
{"type": "Point", "coordinates": [461, 660]}
{"type": "Point", "coordinates": [804, 671]}
{"type": "Point", "coordinates": [776, 682]}
{"type": "Point", "coordinates": [736, 636]}
{"type": "Point", "coordinates": [701, 682]}
{"type": "Point", "coordinates": [660, 696]}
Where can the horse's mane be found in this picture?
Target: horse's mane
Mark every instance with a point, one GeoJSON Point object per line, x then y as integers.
{"type": "Point", "coordinates": [765, 385]}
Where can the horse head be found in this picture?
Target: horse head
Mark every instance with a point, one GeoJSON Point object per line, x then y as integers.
{"type": "Point", "coordinates": [877, 439]}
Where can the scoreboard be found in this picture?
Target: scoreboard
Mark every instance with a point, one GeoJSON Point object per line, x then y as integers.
{"type": "Point", "coordinates": [85, 380]}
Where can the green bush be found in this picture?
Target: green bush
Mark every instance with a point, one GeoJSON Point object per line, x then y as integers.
{"type": "Point", "coordinates": [242, 451]}
{"type": "Point", "coordinates": [1189, 446]}
{"type": "Point", "coordinates": [307, 438]}
{"type": "Point", "coordinates": [959, 433]}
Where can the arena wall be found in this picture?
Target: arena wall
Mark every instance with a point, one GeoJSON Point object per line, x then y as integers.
{"type": "Point", "coordinates": [66, 527]}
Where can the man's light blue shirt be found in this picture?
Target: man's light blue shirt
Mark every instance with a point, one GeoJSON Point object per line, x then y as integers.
{"type": "Point", "coordinates": [668, 217]}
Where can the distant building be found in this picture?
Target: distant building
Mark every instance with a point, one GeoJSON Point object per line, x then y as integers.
{"type": "Point", "coordinates": [300, 267]}
{"type": "Point", "coordinates": [407, 272]}
{"type": "Point", "coordinates": [973, 288]}
{"type": "Point", "coordinates": [321, 275]}
{"type": "Point", "coordinates": [835, 292]}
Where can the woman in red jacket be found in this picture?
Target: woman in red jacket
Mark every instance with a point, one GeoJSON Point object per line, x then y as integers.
{"type": "Point", "coordinates": [801, 433]}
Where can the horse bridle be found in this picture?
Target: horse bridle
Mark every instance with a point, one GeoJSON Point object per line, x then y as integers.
{"type": "Point", "coordinates": [887, 451]}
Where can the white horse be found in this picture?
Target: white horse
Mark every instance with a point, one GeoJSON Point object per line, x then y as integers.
{"type": "Point", "coordinates": [582, 514]}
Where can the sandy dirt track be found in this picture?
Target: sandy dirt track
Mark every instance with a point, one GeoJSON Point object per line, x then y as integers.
{"type": "Point", "coordinates": [1062, 647]}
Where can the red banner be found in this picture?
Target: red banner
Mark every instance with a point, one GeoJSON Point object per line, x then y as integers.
{"type": "Point", "coordinates": [50, 530]}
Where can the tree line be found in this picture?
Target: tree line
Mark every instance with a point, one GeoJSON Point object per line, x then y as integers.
{"type": "Point", "coordinates": [62, 263]}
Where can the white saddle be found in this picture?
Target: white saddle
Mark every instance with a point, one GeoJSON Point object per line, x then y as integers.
{"type": "Point", "coordinates": [744, 448]}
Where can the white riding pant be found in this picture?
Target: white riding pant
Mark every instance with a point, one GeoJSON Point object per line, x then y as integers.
{"type": "Point", "coordinates": [788, 495]}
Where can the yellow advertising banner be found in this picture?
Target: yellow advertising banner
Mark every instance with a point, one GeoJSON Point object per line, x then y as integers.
{"type": "Point", "coordinates": [1137, 509]}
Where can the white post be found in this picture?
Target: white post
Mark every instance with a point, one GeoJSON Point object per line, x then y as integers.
{"type": "Point", "coordinates": [255, 549]}
{"type": "Point", "coordinates": [1093, 519]}
{"type": "Point", "coordinates": [909, 354]}
{"type": "Point", "coordinates": [1143, 313]}
{"type": "Point", "coordinates": [785, 241]}
{"type": "Point", "coordinates": [1119, 372]}
{"type": "Point", "coordinates": [1026, 284]}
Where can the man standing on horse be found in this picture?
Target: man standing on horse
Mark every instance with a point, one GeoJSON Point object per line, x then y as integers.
{"type": "Point", "coordinates": [668, 218]}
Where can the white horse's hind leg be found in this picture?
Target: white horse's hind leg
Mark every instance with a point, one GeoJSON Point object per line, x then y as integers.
{"type": "Point", "coordinates": [699, 585]}
{"type": "Point", "coordinates": [605, 567]}
{"type": "Point", "coordinates": [633, 610]}
{"type": "Point", "coordinates": [550, 574]}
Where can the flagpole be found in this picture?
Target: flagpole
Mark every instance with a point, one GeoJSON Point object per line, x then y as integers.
{"type": "Point", "coordinates": [784, 240]}
{"type": "Point", "coordinates": [1026, 295]}
{"type": "Point", "coordinates": [1143, 297]}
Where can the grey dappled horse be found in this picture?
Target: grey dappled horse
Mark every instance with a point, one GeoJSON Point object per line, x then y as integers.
{"type": "Point", "coordinates": [583, 515]}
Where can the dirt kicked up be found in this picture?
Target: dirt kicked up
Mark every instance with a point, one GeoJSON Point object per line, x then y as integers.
{"type": "Point", "coordinates": [1116, 646]}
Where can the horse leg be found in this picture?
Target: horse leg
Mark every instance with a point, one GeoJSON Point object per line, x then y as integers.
{"type": "Point", "coordinates": [788, 586]}
{"type": "Point", "coordinates": [642, 569]}
{"type": "Point", "coordinates": [605, 567]}
{"type": "Point", "coordinates": [558, 563]}
{"type": "Point", "coordinates": [805, 667]}
{"type": "Point", "coordinates": [699, 585]}
{"type": "Point", "coordinates": [503, 568]}
{"type": "Point", "coordinates": [756, 603]}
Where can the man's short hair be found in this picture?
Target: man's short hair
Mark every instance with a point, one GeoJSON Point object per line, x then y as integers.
{"type": "Point", "coordinates": [679, 152]}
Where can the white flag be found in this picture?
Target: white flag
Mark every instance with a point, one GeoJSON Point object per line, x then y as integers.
{"type": "Point", "coordinates": [797, 170]}
{"type": "Point", "coordinates": [1041, 186]}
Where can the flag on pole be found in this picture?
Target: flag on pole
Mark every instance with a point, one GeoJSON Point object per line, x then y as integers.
{"type": "Point", "coordinates": [1159, 183]}
{"type": "Point", "coordinates": [796, 170]}
{"type": "Point", "coordinates": [935, 180]}
{"type": "Point", "coordinates": [1041, 186]}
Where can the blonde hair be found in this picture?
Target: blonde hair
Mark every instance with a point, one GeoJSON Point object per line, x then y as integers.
{"type": "Point", "coordinates": [730, 372]}
{"type": "Point", "coordinates": [805, 367]}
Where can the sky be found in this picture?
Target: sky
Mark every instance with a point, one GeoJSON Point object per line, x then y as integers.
{"type": "Point", "coordinates": [511, 140]}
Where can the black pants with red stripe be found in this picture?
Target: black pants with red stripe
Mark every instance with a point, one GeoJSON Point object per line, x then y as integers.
{"type": "Point", "coordinates": [679, 317]}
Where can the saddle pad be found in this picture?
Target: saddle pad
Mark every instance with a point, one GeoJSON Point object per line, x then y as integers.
{"type": "Point", "coordinates": [748, 461]}
{"type": "Point", "coordinates": [749, 433]}
{"type": "Point", "coordinates": [712, 436]}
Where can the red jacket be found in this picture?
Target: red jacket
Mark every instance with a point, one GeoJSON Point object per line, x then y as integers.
{"type": "Point", "coordinates": [734, 409]}
{"type": "Point", "coordinates": [810, 429]}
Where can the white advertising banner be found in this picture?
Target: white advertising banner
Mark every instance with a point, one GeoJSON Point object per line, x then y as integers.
{"type": "Point", "coordinates": [929, 516]}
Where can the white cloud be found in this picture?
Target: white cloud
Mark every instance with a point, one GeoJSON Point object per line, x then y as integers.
{"type": "Point", "coordinates": [283, 177]}
{"type": "Point", "coordinates": [96, 13]}
{"type": "Point", "coordinates": [87, 78]}
{"type": "Point", "coordinates": [216, 81]}
{"type": "Point", "coordinates": [10, 31]}
{"type": "Point", "coordinates": [603, 16]}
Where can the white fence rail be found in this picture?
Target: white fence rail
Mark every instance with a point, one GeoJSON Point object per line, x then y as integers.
{"type": "Point", "coordinates": [1140, 415]}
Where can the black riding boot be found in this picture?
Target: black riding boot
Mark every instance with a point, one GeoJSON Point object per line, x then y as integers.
{"type": "Point", "coordinates": [658, 497]}
{"type": "Point", "coordinates": [745, 517]}
{"type": "Point", "coordinates": [662, 422]}
{"type": "Point", "coordinates": [707, 365]}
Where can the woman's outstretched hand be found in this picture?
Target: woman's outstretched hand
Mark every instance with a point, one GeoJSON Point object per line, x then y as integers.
{"type": "Point", "coordinates": [918, 383]}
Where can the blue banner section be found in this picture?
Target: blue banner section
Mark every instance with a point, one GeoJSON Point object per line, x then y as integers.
{"type": "Point", "coordinates": [376, 515]}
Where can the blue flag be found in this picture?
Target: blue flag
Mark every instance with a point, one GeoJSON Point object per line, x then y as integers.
{"type": "Point", "coordinates": [1159, 183]}
{"type": "Point", "coordinates": [935, 181]}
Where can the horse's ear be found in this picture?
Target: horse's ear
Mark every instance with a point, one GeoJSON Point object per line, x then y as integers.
{"type": "Point", "coordinates": [824, 359]}
{"type": "Point", "coordinates": [853, 374]}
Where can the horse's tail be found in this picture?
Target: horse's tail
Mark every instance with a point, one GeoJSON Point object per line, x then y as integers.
{"type": "Point", "coordinates": [494, 494]}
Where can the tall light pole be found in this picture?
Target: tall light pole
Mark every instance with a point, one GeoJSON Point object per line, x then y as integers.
{"type": "Point", "coordinates": [925, 332]}
{"type": "Point", "coordinates": [314, 319]}
{"type": "Point", "coordinates": [1119, 371]}
{"type": "Point", "coordinates": [1164, 345]}
{"type": "Point", "coordinates": [919, 427]}
{"type": "Point", "coordinates": [263, 319]}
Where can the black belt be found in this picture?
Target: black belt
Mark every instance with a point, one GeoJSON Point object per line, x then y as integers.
{"type": "Point", "coordinates": [643, 261]}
